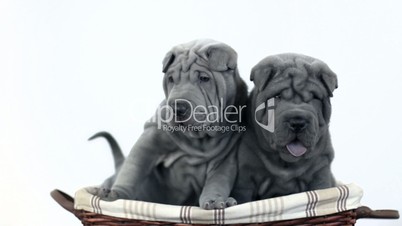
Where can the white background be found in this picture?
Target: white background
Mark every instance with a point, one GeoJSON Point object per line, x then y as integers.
{"type": "Point", "coordinates": [69, 69]}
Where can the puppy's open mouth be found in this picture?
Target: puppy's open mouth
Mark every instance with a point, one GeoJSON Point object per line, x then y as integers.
{"type": "Point", "coordinates": [296, 148]}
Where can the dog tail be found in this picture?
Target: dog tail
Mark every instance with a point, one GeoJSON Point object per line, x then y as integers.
{"type": "Point", "coordinates": [116, 151]}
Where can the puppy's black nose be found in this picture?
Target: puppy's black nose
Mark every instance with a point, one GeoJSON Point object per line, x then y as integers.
{"type": "Point", "coordinates": [181, 108]}
{"type": "Point", "coordinates": [297, 124]}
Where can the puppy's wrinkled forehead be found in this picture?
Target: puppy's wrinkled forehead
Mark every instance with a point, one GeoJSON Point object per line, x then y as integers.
{"type": "Point", "coordinates": [207, 53]}
{"type": "Point", "coordinates": [296, 73]}
{"type": "Point", "coordinates": [184, 61]}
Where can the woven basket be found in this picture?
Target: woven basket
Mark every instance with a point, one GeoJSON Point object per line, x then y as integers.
{"type": "Point", "coordinates": [343, 218]}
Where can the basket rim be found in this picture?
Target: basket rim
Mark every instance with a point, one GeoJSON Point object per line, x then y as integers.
{"type": "Point", "coordinates": [345, 217]}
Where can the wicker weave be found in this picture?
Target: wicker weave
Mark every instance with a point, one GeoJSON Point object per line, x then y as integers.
{"type": "Point", "coordinates": [343, 218]}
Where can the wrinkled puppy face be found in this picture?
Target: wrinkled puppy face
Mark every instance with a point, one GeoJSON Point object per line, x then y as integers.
{"type": "Point", "coordinates": [299, 88]}
{"type": "Point", "coordinates": [200, 80]}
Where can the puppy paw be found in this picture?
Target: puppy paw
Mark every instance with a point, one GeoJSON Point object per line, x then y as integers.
{"type": "Point", "coordinates": [231, 202]}
{"type": "Point", "coordinates": [105, 194]}
{"type": "Point", "coordinates": [109, 195]}
{"type": "Point", "coordinates": [99, 191]}
{"type": "Point", "coordinates": [218, 203]}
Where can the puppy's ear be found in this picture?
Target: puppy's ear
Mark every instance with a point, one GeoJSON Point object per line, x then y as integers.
{"type": "Point", "coordinates": [264, 71]}
{"type": "Point", "coordinates": [326, 76]}
{"type": "Point", "coordinates": [167, 61]}
{"type": "Point", "coordinates": [330, 81]}
{"type": "Point", "coordinates": [261, 76]}
{"type": "Point", "coordinates": [220, 57]}
{"type": "Point", "coordinates": [326, 109]}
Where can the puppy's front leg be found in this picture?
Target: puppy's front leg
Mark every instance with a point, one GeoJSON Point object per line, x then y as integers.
{"type": "Point", "coordinates": [219, 183]}
{"type": "Point", "coordinates": [139, 164]}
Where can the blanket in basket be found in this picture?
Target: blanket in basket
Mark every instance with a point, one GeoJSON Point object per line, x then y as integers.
{"type": "Point", "coordinates": [301, 205]}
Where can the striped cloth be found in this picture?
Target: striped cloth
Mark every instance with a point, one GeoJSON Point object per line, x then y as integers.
{"type": "Point", "coordinates": [301, 205]}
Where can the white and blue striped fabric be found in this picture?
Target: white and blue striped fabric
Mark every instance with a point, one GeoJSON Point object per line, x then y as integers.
{"type": "Point", "coordinates": [301, 205]}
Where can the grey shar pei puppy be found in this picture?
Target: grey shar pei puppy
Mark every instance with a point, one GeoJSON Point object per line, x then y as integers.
{"type": "Point", "coordinates": [295, 154]}
{"type": "Point", "coordinates": [195, 164]}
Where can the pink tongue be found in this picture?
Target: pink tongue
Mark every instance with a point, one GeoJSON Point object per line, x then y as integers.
{"type": "Point", "coordinates": [296, 148]}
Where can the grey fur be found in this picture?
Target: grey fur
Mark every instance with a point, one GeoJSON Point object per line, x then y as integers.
{"type": "Point", "coordinates": [192, 167]}
{"type": "Point", "coordinates": [302, 87]}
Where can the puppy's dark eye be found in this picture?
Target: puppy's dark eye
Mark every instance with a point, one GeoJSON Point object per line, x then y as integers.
{"type": "Point", "coordinates": [170, 79]}
{"type": "Point", "coordinates": [315, 97]}
{"type": "Point", "coordinates": [203, 78]}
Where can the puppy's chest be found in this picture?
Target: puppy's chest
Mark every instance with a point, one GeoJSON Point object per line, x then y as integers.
{"type": "Point", "coordinates": [274, 187]}
{"type": "Point", "coordinates": [285, 180]}
{"type": "Point", "coordinates": [297, 184]}
{"type": "Point", "coordinates": [293, 175]}
{"type": "Point", "coordinates": [182, 169]}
